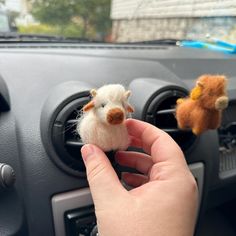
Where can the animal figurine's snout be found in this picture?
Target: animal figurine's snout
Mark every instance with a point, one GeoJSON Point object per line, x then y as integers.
{"type": "Point", "coordinates": [221, 103]}
{"type": "Point", "coordinates": [115, 116]}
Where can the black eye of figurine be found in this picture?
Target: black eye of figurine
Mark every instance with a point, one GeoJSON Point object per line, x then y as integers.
{"type": "Point", "coordinates": [103, 105]}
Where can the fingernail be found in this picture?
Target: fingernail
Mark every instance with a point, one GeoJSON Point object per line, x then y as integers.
{"type": "Point", "coordinates": [86, 151]}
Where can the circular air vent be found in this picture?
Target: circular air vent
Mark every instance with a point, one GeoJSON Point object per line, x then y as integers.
{"type": "Point", "coordinates": [58, 126]}
{"type": "Point", "coordinates": [161, 113]}
{"type": "Point", "coordinates": [65, 138]}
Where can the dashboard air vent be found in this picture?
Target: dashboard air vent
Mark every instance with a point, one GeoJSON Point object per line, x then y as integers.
{"type": "Point", "coordinates": [58, 125]}
{"type": "Point", "coordinates": [161, 113]}
{"type": "Point", "coordinates": [65, 139]}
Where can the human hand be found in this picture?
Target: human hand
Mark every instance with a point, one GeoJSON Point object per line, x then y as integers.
{"type": "Point", "coordinates": [164, 198]}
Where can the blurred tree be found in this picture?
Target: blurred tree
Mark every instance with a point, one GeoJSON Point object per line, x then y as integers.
{"type": "Point", "coordinates": [88, 15]}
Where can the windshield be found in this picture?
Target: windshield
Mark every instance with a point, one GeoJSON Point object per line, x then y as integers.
{"type": "Point", "coordinates": [4, 23]}
{"type": "Point", "coordinates": [122, 20]}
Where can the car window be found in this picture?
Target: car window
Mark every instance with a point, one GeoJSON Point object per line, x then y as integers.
{"type": "Point", "coordinates": [123, 20]}
{"type": "Point", "coordinates": [4, 23]}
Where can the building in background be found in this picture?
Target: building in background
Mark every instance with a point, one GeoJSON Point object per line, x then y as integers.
{"type": "Point", "coordinates": [138, 20]}
{"type": "Point", "coordinates": [21, 9]}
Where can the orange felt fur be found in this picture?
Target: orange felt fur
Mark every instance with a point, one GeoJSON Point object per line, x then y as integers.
{"type": "Point", "coordinates": [203, 109]}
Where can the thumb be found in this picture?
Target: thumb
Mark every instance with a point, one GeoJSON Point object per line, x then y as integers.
{"type": "Point", "coordinates": [103, 181]}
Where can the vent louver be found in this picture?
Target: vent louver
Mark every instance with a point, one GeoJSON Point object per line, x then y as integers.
{"type": "Point", "coordinates": [161, 113]}
{"type": "Point", "coordinates": [65, 139]}
{"type": "Point", "coordinates": [58, 123]}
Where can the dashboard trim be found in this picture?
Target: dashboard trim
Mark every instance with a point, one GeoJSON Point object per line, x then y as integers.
{"type": "Point", "coordinates": [68, 201]}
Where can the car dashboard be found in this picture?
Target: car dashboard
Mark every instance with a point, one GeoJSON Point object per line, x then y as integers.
{"type": "Point", "coordinates": [45, 87]}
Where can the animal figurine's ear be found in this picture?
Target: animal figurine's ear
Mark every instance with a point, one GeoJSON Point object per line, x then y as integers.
{"type": "Point", "coordinates": [93, 92]}
{"type": "Point", "coordinates": [127, 94]}
{"type": "Point", "coordinates": [197, 91]}
{"type": "Point", "coordinates": [200, 84]}
{"type": "Point", "coordinates": [88, 106]}
{"type": "Point", "coordinates": [129, 108]}
{"type": "Point", "coordinates": [179, 101]}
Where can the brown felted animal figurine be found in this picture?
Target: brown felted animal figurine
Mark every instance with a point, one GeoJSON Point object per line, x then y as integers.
{"type": "Point", "coordinates": [202, 110]}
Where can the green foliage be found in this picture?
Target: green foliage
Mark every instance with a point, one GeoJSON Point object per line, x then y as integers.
{"type": "Point", "coordinates": [38, 29]}
{"type": "Point", "coordinates": [69, 30]}
{"type": "Point", "coordinates": [82, 18]}
{"type": "Point", "coordinates": [54, 12]}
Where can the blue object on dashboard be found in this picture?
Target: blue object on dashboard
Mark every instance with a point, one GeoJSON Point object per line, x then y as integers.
{"type": "Point", "coordinates": [217, 45]}
{"type": "Point", "coordinates": [223, 43]}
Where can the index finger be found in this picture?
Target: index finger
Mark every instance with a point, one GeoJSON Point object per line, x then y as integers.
{"type": "Point", "coordinates": [155, 142]}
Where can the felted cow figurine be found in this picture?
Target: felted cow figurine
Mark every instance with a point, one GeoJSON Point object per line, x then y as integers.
{"type": "Point", "coordinates": [102, 121]}
{"type": "Point", "coordinates": [203, 109]}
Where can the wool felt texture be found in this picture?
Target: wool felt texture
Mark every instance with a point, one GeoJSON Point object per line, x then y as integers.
{"type": "Point", "coordinates": [102, 120]}
{"type": "Point", "coordinates": [202, 110]}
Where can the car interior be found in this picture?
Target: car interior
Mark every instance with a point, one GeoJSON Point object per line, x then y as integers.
{"type": "Point", "coordinates": [43, 87]}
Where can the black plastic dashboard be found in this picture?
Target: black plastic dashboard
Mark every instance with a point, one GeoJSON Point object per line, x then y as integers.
{"type": "Point", "coordinates": [53, 76]}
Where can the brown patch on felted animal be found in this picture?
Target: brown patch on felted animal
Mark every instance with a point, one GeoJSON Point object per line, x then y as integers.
{"type": "Point", "coordinates": [88, 106]}
{"type": "Point", "coordinates": [115, 116]}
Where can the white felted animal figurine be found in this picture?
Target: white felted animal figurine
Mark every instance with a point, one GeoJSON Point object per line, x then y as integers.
{"type": "Point", "coordinates": [102, 122]}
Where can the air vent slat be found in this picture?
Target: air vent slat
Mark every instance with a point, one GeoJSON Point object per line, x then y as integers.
{"type": "Point", "coordinates": [65, 138]}
{"type": "Point", "coordinates": [171, 130]}
{"type": "Point", "coordinates": [176, 130]}
{"type": "Point", "coordinates": [162, 111]}
{"type": "Point", "coordinates": [166, 111]}
{"type": "Point", "coordinates": [73, 143]}
{"type": "Point", "coordinates": [72, 121]}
